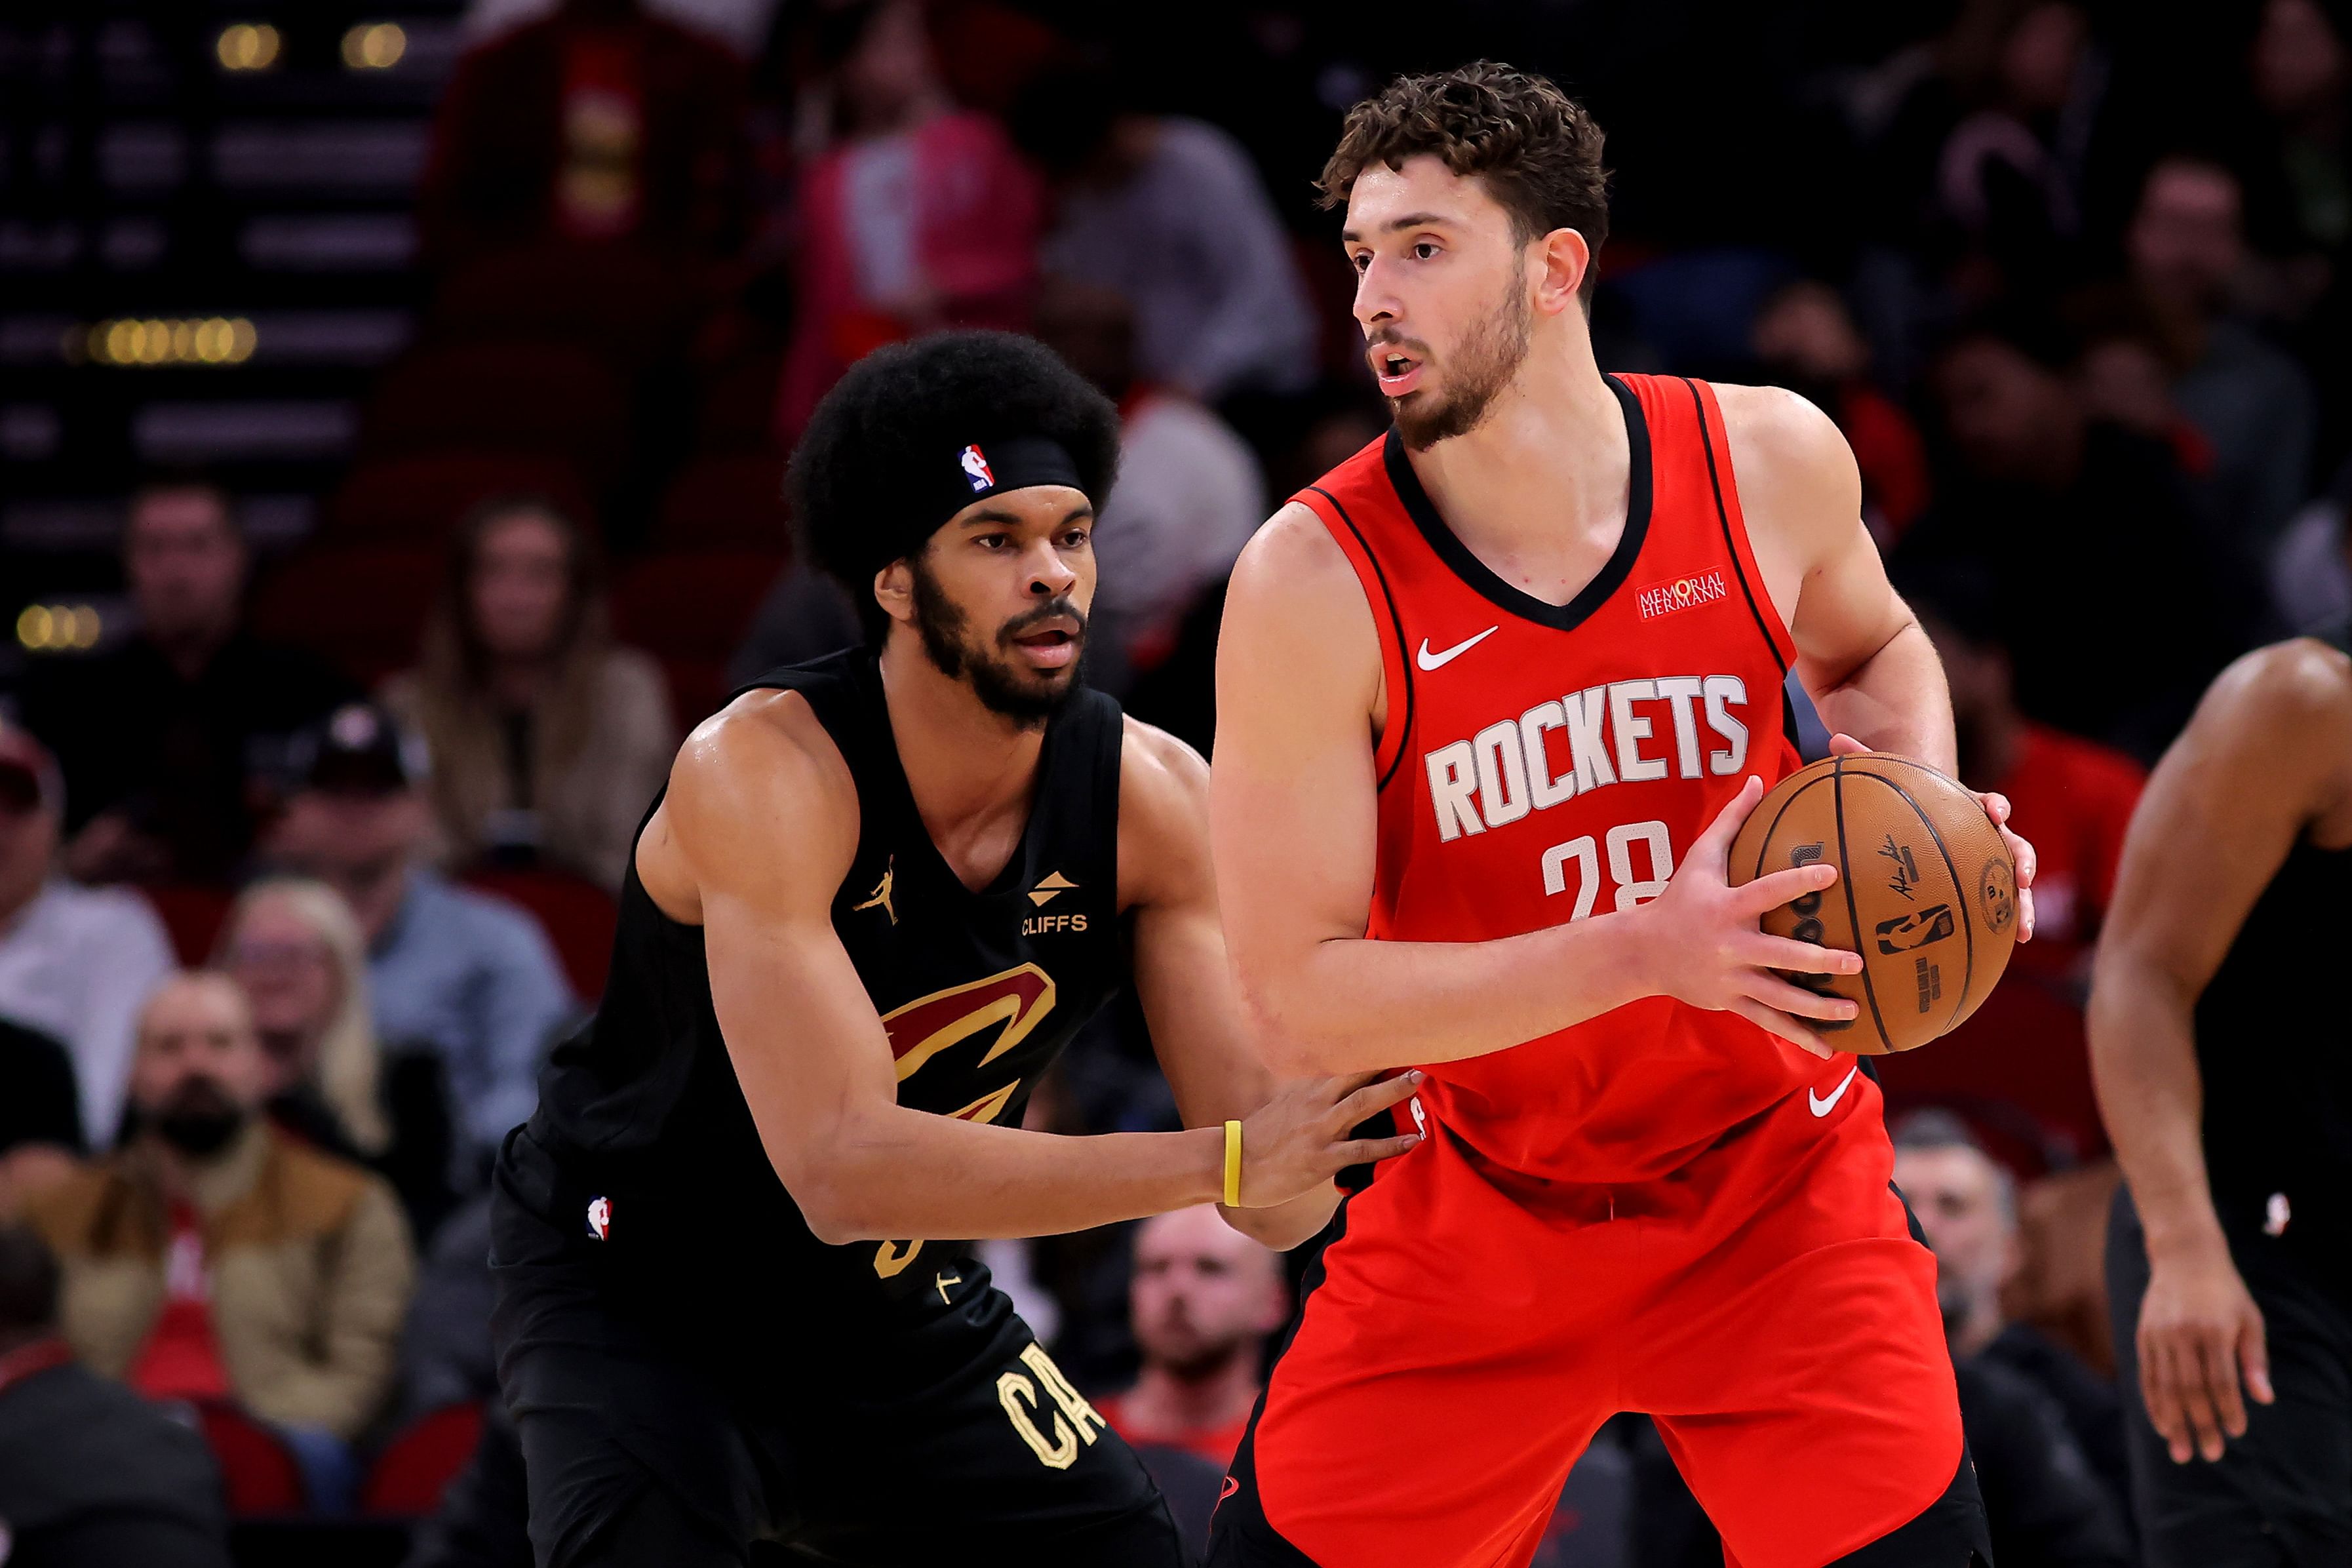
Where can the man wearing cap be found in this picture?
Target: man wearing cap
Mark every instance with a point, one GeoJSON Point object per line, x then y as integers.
{"type": "Point", "coordinates": [470, 977]}
{"type": "Point", "coordinates": [76, 962]}
{"type": "Point", "coordinates": [880, 893]}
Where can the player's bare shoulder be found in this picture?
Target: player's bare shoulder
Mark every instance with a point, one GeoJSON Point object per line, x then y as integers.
{"type": "Point", "coordinates": [2286, 699]}
{"type": "Point", "coordinates": [1297, 618]}
{"type": "Point", "coordinates": [762, 760]}
{"type": "Point", "coordinates": [1791, 460]}
{"type": "Point", "coordinates": [1163, 814]}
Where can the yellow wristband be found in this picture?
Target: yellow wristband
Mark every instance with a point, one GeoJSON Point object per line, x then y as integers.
{"type": "Point", "coordinates": [1232, 1164]}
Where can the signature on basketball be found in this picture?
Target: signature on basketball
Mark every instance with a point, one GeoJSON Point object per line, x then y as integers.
{"type": "Point", "coordinates": [1906, 869]}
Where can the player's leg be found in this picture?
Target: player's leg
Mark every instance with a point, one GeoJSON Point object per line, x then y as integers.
{"type": "Point", "coordinates": [1438, 1383]}
{"type": "Point", "coordinates": [975, 1446]}
{"type": "Point", "coordinates": [2283, 1493]}
{"type": "Point", "coordinates": [1796, 1362]}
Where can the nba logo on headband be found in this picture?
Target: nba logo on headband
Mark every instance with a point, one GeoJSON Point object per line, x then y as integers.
{"type": "Point", "coordinates": [976, 469]}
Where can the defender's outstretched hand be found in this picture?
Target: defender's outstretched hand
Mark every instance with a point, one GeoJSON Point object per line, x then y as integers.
{"type": "Point", "coordinates": [1299, 1139]}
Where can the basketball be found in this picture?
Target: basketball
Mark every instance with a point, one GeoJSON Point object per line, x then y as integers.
{"type": "Point", "coordinates": [1926, 892]}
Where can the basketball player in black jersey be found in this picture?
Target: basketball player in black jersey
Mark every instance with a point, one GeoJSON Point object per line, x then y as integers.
{"type": "Point", "coordinates": [2224, 1059]}
{"type": "Point", "coordinates": [880, 893]}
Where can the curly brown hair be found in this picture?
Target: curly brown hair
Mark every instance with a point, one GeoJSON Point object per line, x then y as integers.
{"type": "Point", "coordinates": [1536, 149]}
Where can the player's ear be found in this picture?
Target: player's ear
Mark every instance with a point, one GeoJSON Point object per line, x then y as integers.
{"type": "Point", "coordinates": [1562, 258]}
{"type": "Point", "coordinates": [894, 590]}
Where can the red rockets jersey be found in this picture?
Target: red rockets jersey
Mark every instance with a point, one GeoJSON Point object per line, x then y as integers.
{"type": "Point", "coordinates": [1544, 762]}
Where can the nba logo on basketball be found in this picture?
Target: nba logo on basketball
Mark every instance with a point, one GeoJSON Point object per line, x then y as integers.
{"type": "Point", "coordinates": [976, 469]}
{"type": "Point", "coordinates": [600, 1217]}
{"type": "Point", "coordinates": [1682, 594]}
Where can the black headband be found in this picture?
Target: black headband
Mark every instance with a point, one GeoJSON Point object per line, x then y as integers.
{"type": "Point", "coordinates": [983, 468]}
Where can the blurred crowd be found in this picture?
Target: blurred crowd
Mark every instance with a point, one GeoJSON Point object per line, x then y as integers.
{"type": "Point", "coordinates": [298, 879]}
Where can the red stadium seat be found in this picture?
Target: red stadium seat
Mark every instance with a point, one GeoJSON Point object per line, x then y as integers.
{"type": "Point", "coordinates": [259, 1471]}
{"type": "Point", "coordinates": [362, 607]}
{"type": "Point", "coordinates": [194, 913]}
{"type": "Point", "coordinates": [730, 501]}
{"type": "Point", "coordinates": [617, 302]}
{"type": "Point", "coordinates": [690, 610]}
{"type": "Point", "coordinates": [577, 915]}
{"type": "Point", "coordinates": [524, 397]}
{"type": "Point", "coordinates": [739, 404]}
{"type": "Point", "coordinates": [416, 1466]}
{"type": "Point", "coordinates": [420, 499]}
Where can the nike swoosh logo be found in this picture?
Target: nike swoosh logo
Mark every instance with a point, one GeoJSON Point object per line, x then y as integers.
{"type": "Point", "coordinates": [1428, 660]}
{"type": "Point", "coordinates": [1820, 1107]}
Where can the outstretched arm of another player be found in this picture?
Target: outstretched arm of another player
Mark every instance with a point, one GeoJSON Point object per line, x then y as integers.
{"type": "Point", "coordinates": [1181, 973]}
{"type": "Point", "coordinates": [1293, 813]}
{"type": "Point", "coordinates": [763, 816]}
{"type": "Point", "coordinates": [1864, 658]}
{"type": "Point", "coordinates": [2258, 765]}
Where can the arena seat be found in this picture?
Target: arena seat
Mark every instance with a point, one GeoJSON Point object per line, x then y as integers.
{"type": "Point", "coordinates": [416, 1466]}
{"type": "Point", "coordinates": [577, 914]}
{"type": "Point", "coordinates": [193, 913]}
{"type": "Point", "coordinates": [690, 610]}
{"type": "Point", "coordinates": [364, 607]}
{"type": "Point", "coordinates": [420, 498]}
{"type": "Point", "coordinates": [730, 501]}
{"type": "Point", "coordinates": [524, 397]}
{"type": "Point", "coordinates": [259, 1474]}
{"type": "Point", "coordinates": [617, 302]}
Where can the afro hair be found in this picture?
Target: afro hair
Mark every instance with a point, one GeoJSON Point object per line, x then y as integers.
{"type": "Point", "coordinates": [858, 486]}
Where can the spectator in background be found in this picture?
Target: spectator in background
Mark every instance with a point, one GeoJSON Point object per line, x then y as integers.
{"type": "Point", "coordinates": [445, 1346]}
{"type": "Point", "coordinates": [468, 975]}
{"type": "Point", "coordinates": [2050, 506]}
{"type": "Point", "coordinates": [162, 738]}
{"type": "Point", "coordinates": [1170, 213]}
{"type": "Point", "coordinates": [296, 951]}
{"type": "Point", "coordinates": [1188, 494]}
{"type": "Point", "coordinates": [1807, 342]}
{"type": "Point", "coordinates": [1202, 1299]}
{"type": "Point", "coordinates": [76, 962]}
{"type": "Point", "coordinates": [91, 1476]}
{"type": "Point", "coordinates": [40, 1115]}
{"type": "Point", "coordinates": [2298, 68]}
{"type": "Point", "coordinates": [548, 741]}
{"type": "Point", "coordinates": [919, 217]}
{"type": "Point", "coordinates": [2012, 174]}
{"type": "Point", "coordinates": [1967, 1207]}
{"type": "Point", "coordinates": [213, 1256]}
{"type": "Point", "coordinates": [597, 123]}
{"type": "Point", "coordinates": [2187, 250]}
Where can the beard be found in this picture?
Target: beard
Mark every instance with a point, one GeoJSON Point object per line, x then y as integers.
{"type": "Point", "coordinates": [1029, 698]}
{"type": "Point", "coordinates": [200, 1119]}
{"type": "Point", "coordinates": [1489, 355]}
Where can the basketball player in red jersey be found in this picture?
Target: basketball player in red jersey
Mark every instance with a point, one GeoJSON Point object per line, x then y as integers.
{"type": "Point", "coordinates": [1494, 697]}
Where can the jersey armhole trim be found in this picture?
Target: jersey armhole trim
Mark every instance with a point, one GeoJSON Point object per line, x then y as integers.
{"type": "Point", "coordinates": [1735, 539]}
{"type": "Point", "coordinates": [1392, 732]}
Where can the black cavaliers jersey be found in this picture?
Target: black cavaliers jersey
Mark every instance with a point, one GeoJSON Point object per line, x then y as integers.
{"type": "Point", "coordinates": [643, 1142]}
{"type": "Point", "coordinates": [2275, 1054]}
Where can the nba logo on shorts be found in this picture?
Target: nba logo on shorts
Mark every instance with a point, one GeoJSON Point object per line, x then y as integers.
{"type": "Point", "coordinates": [600, 1217]}
{"type": "Point", "coordinates": [976, 469]}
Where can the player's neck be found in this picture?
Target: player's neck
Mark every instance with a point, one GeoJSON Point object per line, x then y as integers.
{"type": "Point", "coordinates": [1539, 489]}
{"type": "Point", "coordinates": [969, 768]}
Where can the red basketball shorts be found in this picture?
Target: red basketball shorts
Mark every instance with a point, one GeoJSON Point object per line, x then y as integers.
{"type": "Point", "coordinates": [1472, 1328]}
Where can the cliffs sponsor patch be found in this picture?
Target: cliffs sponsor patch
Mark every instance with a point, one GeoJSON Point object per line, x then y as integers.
{"type": "Point", "coordinates": [1689, 593]}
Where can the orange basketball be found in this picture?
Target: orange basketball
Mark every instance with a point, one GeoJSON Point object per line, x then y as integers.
{"type": "Point", "coordinates": [1926, 892]}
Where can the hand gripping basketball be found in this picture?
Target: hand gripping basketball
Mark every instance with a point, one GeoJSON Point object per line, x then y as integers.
{"type": "Point", "coordinates": [1701, 943]}
{"type": "Point", "coordinates": [1299, 1139]}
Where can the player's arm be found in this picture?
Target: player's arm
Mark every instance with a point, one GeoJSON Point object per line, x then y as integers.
{"type": "Point", "coordinates": [2262, 759]}
{"type": "Point", "coordinates": [762, 812]}
{"type": "Point", "coordinates": [1182, 974]}
{"type": "Point", "coordinates": [1293, 805]}
{"type": "Point", "coordinates": [1862, 655]}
